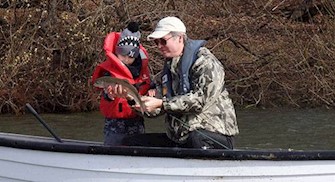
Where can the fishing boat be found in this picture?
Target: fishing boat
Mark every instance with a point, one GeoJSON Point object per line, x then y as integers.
{"type": "Point", "coordinates": [52, 159]}
{"type": "Point", "coordinates": [35, 158]}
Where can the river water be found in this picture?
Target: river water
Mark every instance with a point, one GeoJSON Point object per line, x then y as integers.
{"type": "Point", "coordinates": [299, 129]}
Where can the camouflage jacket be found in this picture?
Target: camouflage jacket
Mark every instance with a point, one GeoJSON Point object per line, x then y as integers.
{"type": "Point", "coordinates": [206, 106]}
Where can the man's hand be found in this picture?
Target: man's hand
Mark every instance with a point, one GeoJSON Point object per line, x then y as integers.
{"type": "Point", "coordinates": [151, 103]}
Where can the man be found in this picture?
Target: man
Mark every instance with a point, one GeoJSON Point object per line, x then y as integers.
{"type": "Point", "coordinates": [199, 113]}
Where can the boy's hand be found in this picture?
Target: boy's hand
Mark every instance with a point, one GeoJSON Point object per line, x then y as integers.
{"type": "Point", "coordinates": [152, 92]}
{"type": "Point", "coordinates": [116, 91]}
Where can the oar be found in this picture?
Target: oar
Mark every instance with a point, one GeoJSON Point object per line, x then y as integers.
{"type": "Point", "coordinates": [32, 110]}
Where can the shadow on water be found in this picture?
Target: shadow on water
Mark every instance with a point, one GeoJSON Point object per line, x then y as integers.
{"type": "Point", "coordinates": [259, 129]}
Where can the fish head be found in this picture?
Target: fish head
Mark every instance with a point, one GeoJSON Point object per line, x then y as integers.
{"type": "Point", "coordinates": [103, 82]}
{"type": "Point", "coordinates": [99, 84]}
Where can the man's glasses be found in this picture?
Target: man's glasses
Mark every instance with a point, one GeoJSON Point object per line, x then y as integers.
{"type": "Point", "coordinates": [162, 41]}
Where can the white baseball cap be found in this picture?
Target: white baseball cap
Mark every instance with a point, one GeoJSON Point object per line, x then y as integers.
{"type": "Point", "coordinates": [167, 25]}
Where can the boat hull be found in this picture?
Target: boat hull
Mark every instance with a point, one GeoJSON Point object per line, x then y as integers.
{"type": "Point", "coordinates": [27, 164]}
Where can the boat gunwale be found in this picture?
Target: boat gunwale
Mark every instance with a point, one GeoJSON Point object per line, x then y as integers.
{"type": "Point", "coordinates": [91, 147]}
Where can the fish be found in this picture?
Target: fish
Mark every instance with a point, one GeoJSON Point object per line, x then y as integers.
{"type": "Point", "coordinates": [105, 81]}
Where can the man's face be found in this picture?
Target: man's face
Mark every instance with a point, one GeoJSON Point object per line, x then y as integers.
{"type": "Point", "coordinates": [170, 46]}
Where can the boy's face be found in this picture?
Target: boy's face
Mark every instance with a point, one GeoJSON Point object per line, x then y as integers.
{"type": "Point", "coordinates": [126, 59]}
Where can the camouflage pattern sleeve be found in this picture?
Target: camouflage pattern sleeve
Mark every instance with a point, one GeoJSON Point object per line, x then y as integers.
{"type": "Point", "coordinates": [207, 75]}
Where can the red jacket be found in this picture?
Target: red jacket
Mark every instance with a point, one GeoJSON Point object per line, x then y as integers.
{"type": "Point", "coordinates": [119, 108]}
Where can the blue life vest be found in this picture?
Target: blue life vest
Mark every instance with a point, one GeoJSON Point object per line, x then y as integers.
{"type": "Point", "coordinates": [187, 60]}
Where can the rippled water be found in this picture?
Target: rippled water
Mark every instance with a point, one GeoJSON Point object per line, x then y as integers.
{"type": "Point", "coordinates": [280, 128]}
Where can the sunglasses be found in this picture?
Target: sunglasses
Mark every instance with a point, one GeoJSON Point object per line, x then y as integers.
{"type": "Point", "coordinates": [162, 41]}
